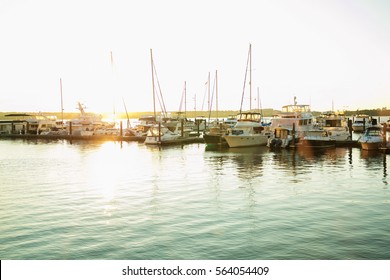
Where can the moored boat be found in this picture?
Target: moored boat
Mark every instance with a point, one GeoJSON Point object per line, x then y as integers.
{"type": "Point", "coordinates": [362, 121]}
{"type": "Point", "coordinates": [316, 139]}
{"type": "Point", "coordinates": [295, 115]}
{"type": "Point", "coordinates": [282, 138]}
{"type": "Point", "coordinates": [372, 139]}
{"type": "Point", "coordinates": [336, 124]}
{"type": "Point", "coordinates": [20, 123]}
{"type": "Point", "coordinates": [248, 131]}
{"type": "Point", "coordinates": [159, 134]}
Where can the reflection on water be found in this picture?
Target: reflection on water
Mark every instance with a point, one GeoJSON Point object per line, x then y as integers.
{"type": "Point", "coordinates": [114, 200]}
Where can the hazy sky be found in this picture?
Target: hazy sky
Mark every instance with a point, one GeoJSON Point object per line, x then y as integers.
{"type": "Point", "coordinates": [319, 51]}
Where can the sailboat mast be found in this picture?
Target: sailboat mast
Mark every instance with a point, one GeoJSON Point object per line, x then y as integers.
{"type": "Point", "coordinates": [62, 105]}
{"type": "Point", "coordinates": [248, 62]}
{"type": "Point", "coordinates": [250, 77]}
{"type": "Point", "coordinates": [154, 98]}
{"type": "Point", "coordinates": [208, 92]}
{"type": "Point", "coordinates": [185, 99]}
{"type": "Point", "coordinates": [216, 92]}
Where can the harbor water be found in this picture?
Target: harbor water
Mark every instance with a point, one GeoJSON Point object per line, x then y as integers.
{"type": "Point", "coordinates": [114, 201]}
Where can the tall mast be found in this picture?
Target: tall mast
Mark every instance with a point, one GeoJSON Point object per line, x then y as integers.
{"type": "Point", "coordinates": [154, 98]}
{"type": "Point", "coordinates": [216, 91]}
{"type": "Point", "coordinates": [248, 64]}
{"type": "Point", "coordinates": [185, 99]}
{"type": "Point", "coordinates": [250, 77]}
{"type": "Point", "coordinates": [62, 105]}
{"type": "Point", "coordinates": [208, 92]}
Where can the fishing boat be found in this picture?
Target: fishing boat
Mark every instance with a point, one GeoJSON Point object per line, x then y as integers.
{"type": "Point", "coordinates": [372, 139]}
{"type": "Point", "coordinates": [87, 123]}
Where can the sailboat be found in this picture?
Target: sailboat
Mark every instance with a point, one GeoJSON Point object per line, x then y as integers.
{"type": "Point", "coordinates": [249, 130]}
{"type": "Point", "coordinates": [215, 134]}
{"type": "Point", "coordinates": [158, 134]}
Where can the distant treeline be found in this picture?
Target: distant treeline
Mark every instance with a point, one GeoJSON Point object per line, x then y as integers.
{"type": "Point", "coordinates": [192, 114]}
{"type": "Point", "coordinates": [370, 112]}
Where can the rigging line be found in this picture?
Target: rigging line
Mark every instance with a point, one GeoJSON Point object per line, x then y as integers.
{"type": "Point", "coordinates": [212, 97]}
{"type": "Point", "coordinates": [162, 104]}
{"type": "Point", "coordinates": [182, 97]}
{"type": "Point", "coordinates": [204, 95]}
{"type": "Point", "coordinates": [246, 72]}
{"type": "Point", "coordinates": [259, 101]}
{"type": "Point", "coordinates": [211, 100]}
{"type": "Point", "coordinates": [154, 94]}
{"type": "Point", "coordinates": [127, 115]}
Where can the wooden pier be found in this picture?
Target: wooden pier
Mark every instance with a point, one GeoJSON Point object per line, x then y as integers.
{"type": "Point", "coordinates": [186, 140]}
{"type": "Point", "coordinates": [72, 137]}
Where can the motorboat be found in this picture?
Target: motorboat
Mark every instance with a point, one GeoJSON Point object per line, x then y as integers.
{"type": "Point", "coordinates": [336, 124]}
{"type": "Point", "coordinates": [316, 139]}
{"type": "Point", "coordinates": [373, 138]}
{"type": "Point", "coordinates": [28, 124]}
{"type": "Point", "coordinates": [362, 121]}
{"type": "Point", "coordinates": [282, 138]}
{"type": "Point", "coordinates": [230, 121]}
{"type": "Point", "coordinates": [159, 135]}
{"type": "Point", "coordinates": [297, 117]}
{"type": "Point", "coordinates": [86, 123]}
{"type": "Point", "coordinates": [215, 134]}
{"type": "Point", "coordinates": [248, 131]}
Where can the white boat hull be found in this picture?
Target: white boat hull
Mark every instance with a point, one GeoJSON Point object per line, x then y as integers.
{"type": "Point", "coordinates": [359, 128]}
{"type": "Point", "coordinates": [246, 141]}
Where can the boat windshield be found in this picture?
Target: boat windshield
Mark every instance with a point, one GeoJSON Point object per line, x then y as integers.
{"type": "Point", "coordinates": [254, 117]}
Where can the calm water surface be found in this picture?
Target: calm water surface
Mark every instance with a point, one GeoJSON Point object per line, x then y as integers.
{"type": "Point", "coordinates": [109, 200]}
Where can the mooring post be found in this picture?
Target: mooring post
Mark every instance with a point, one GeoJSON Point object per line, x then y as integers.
{"type": "Point", "coordinates": [159, 132]}
{"type": "Point", "coordinates": [384, 135]}
{"type": "Point", "coordinates": [364, 124]}
{"type": "Point", "coordinates": [350, 128]}
{"type": "Point", "coordinates": [182, 128]}
{"type": "Point", "coordinates": [120, 129]}
{"type": "Point", "coordinates": [293, 135]}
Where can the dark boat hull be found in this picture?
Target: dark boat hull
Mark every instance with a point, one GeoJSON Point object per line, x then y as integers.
{"type": "Point", "coordinates": [214, 139]}
{"type": "Point", "coordinates": [317, 143]}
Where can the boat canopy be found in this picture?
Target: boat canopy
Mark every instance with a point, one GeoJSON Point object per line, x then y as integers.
{"type": "Point", "coordinates": [296, 108]}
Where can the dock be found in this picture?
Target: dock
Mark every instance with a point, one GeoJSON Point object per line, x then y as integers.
{"type": "Point", "coordinates": [72, 137]}
{"type": "Point", "coordinates": [141, 139]}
